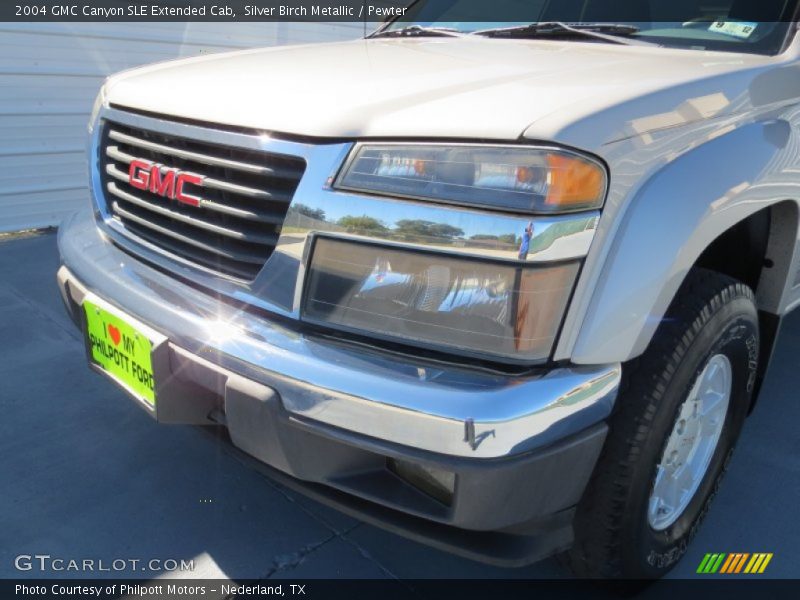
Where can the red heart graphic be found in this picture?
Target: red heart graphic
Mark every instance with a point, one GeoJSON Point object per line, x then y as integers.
{"type": "Point", "coordinates": [116, 336]}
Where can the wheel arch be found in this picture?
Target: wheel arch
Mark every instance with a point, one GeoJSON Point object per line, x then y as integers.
{"type": "Point", "coordinates": [759, 251]}
{"type": "Point", "coordinates": [706, 205]}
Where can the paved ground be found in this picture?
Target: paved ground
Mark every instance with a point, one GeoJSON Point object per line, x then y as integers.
{"type": "Point", "coordinates": [86, 474]}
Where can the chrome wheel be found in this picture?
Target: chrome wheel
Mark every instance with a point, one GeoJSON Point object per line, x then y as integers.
{"type": "Point", "coordinates": [691, 444]}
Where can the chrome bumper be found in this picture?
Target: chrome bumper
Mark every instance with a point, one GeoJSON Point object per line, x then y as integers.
{"type": "Point", "coordinates": [451, 410]}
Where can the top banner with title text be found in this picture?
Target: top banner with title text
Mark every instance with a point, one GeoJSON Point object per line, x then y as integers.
{"type": "Point", "coordinates": [202, 10]}
{"type": "Point", "coordinates": [522, 11]}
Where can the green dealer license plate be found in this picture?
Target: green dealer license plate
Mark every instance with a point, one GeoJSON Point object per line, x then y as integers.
{"type": "Point", "coordinates": [122, 350]}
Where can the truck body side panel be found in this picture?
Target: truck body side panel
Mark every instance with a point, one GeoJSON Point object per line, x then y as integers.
{"type": "Point", "coordinates": [743, 165]}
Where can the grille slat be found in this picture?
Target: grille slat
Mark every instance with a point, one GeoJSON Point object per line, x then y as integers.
{"type": "Point", "coordinates": [210, 204]}
{"type": "Point", "coordinates": [234, 268]}
{"type": "Point", "coordinates": [115, 153]}
{"type": "Point", "coordinates": [243, 197]}
{"type": "Point", "coordinates": [238, 256]}
{"type": "Point", "coordinates": [209, 159]}
{"type": "Point", "coordinates": [193, 221]}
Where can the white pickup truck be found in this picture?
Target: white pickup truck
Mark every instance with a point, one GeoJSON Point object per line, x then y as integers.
{"type": "Point", "coordinates": [509, 289]}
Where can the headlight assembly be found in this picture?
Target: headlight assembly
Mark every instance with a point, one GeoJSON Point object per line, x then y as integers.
{"type": "Point", "coordinates": [508, 312]}
{"type": "Point", "coordinates": [512, 178]}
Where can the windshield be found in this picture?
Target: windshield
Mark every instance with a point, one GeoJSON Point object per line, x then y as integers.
{"type": "Point", "coordinates": [756, 26]}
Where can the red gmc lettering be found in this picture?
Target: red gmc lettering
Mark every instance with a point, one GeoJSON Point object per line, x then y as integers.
{"type": "Point", "coordinates": [164, 182]}
{"type": "Point", "coordinates": [139, 174]}
{"type": "Point", "coordinates": [180, 196]}
{"type": "Point", "coordinates": [162, 185]}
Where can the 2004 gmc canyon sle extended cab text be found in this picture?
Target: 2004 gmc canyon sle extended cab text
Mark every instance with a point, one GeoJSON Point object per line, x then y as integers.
{"type": "Point", "coordinates": [508, 289]}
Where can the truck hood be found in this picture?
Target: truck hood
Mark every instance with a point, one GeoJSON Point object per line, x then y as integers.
{"type": "Point", "coordinates": [472, 88]}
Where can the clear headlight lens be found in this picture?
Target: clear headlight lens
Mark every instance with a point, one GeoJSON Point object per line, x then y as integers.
{"type": "Point", "coordinates": [515, 178]}
{"type": "Point", "coordinates": [486, 309]}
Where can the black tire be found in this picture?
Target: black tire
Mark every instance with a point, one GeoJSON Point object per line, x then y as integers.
{"type": "Point", "coordinates": [711, 314]}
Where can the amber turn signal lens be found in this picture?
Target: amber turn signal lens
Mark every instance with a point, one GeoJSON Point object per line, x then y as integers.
{"type": "Point", "coordinates": [574, 182]}
{"type": "Point", "coordinates": [515, 178]}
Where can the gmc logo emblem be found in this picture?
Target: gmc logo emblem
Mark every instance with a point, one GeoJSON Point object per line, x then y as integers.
{"type": "Point", "coordinates": [163, 181]}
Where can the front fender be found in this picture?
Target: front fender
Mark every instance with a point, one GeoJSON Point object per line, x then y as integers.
{"type": "Point", "coordinates": [668, 223]}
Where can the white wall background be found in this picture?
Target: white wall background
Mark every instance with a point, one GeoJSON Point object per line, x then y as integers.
{"type": "Point", "coordinates": [50, 74]}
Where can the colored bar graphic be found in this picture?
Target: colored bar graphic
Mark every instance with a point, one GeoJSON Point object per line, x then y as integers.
{"type": "Point", "coordinates": [741, 562]}
{"type": "Point", "coordinates": [729, 563]}
{"type": "Point", "coordinates": [716, 565]}
{"type": "Point", "coordinates": [734, 563]}
{"type": "Point", "coordinates": [752, 563]}
{"type": "Point", "coordinates": [711, 563]}
{"type": "Point", "coordinates": [704, 563]}
{"type": "Point", "coordinates": [765, 563]}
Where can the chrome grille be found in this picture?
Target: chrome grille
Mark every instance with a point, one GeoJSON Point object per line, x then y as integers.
{"type": "Point", "coordinates": [242, 202]}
